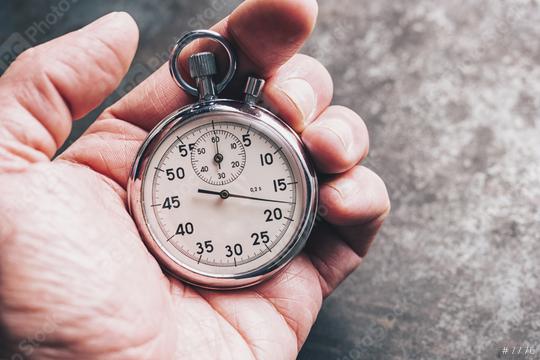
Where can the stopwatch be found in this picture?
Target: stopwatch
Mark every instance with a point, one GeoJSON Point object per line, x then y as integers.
{"type": "Point", "coordinates": [222, 191]}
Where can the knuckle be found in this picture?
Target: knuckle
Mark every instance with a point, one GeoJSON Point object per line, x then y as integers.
{"type": "Point", "coordinates": [27, 55]}
{"type": "Point", "coordinates": [29, 58]}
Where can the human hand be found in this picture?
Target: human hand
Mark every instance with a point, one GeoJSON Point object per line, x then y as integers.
{"type": "Point", "coordinates": [75, 278]}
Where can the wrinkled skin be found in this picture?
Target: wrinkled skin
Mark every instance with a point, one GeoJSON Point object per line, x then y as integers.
{"type": "Point", "coordinates": [76, 281]}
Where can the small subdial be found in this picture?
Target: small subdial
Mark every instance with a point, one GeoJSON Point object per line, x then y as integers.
{"type": "Point", "coordinates": [218, 157]}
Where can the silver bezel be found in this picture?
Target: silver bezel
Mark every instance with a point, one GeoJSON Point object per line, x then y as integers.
{"type": "Point", "coordinates": [140, 166]}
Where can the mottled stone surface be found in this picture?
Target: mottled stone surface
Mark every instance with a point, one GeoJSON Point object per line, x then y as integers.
{"type": "Point", "coordinates": [451, 94]}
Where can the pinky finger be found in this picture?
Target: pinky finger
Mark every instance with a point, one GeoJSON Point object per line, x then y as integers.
{"type": "Point", "coordinates": [354, 206]}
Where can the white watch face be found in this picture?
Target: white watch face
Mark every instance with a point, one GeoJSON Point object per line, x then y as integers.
{"type": "Point", "coordinates": [223, 195]}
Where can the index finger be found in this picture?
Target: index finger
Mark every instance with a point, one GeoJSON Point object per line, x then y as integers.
{"type": "Point", "coordinates": [266, 33]}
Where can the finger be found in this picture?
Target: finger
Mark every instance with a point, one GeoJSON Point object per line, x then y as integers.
{"type": "Point", "coordinates": [337, 140]}
{"type": "Point", "coordinates": [109, 146]}
{"type": "Point", "coordinates": [50, 85]}
{"type": "Point", "coordinates": [296, 295]}
{"type": "Point", "coordinates": [299, 91]}
{"type": "Point", "coordinates": [354, 205]}
{"type": "Point", "coordinates": [283, 309]}
{"type": "Point", "coordinates": [266, 33]}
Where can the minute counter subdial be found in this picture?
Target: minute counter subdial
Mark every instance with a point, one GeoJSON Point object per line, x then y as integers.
{"type": "Point", "coordinates": [218, 157]}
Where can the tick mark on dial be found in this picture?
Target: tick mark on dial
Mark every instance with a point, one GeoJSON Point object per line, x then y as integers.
{"type": "Point", "coordinates": [205, 166]}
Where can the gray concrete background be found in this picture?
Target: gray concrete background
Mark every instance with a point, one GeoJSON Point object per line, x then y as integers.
{"type": "Point", "coordinates": [451, 94]}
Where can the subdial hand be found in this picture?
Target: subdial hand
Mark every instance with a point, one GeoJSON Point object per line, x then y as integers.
{"type": "Point", "coordinates": [224, 194]}
{"type": "Point", "coordinates": [218, 158]}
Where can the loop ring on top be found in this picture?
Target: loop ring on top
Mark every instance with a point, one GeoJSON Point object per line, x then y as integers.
{"type": "Point", "coordinates": [190, 37]}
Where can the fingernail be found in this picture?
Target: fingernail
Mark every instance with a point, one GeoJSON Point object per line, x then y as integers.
{"type": "Point", "coordinates": [344, 188]}
{"type": "Point", "coordinates": [340, 130]}
{"type": "Point", "coordinates": [302, 95]}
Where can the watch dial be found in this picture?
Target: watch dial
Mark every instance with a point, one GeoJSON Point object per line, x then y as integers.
{"type": "Point", "coordinates": [224, 195]}
{"type": "Point", "coordinates": [218, 156]}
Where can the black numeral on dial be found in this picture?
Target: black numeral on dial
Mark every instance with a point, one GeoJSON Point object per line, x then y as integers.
{"type": "Point", "coordinates": [183, 149]}
{"type": "Point", "coordinates": [184, 229]}
{"type": "Point", "coordinates": [233, 250]}
{"type": "Point", "coordinates": [267, 159]}
{"type": "Point", "coordinates": [246, 140]}
{"type": "Point", "coordinates": [280, 185]}
{"type": "Point", "coordinates": [258, 237]}
{"type": "Point", "coordinates": [272, 215]}
{"type": "Point", "coordinates": [206, 246]}
{"type": "Point", "coordinates": [173, 174]}
{"type": "Point", "coordinates": [172, 202]}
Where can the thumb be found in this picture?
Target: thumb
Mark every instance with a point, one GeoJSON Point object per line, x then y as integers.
{"type": "Point", "coordinates": [59, 81]}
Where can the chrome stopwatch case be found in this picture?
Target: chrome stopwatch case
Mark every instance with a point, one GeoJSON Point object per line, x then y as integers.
{"type": "Point", "coordinates": [222, 191]}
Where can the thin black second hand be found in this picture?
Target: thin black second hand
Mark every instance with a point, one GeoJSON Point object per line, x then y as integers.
{"type": "Point", "coordinates": [242, 196]}
{"type": "Point", "coordinates": [217, 145]}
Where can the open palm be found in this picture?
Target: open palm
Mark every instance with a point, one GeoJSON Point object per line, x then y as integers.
{"type": "Point", "coordinates": [75, 278]}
